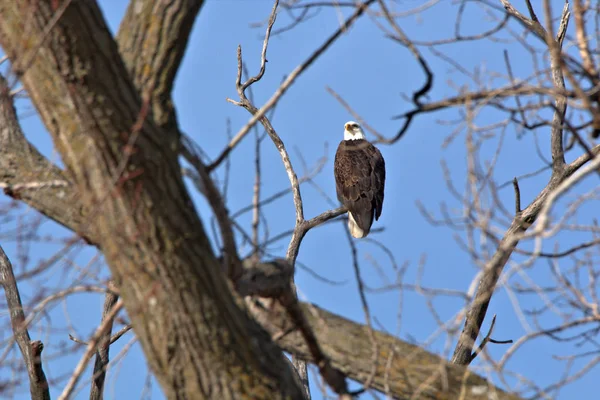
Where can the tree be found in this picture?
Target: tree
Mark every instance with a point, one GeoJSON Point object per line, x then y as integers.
{"type": "Point", "coordinates": [194, 303]}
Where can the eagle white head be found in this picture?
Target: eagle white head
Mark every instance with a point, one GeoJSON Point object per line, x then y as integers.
{"type": "Point", "coordinates": [353, 131]}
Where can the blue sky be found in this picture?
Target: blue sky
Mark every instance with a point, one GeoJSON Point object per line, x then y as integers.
{"type": "Point", "coordinates": [372, 73]}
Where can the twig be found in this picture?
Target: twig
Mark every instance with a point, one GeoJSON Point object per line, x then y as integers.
{"type": "Point", "coordinates": [354, 114]}
{"type": "Point", "coordinates": [231, 258]}
{"type": "Point", "coordinates": [402, 38]}
{"type": "Point", "coordinates": [89, 351]}
{"type": "Point", "coordinates": [256, 197]}
{"type": "Point", "coordinates": [512, 81]}
{"type": "Point", "coordinates": [227, 173]}
{"type": "Point", "coordinates": [265, 201]}
{"type": "Point", "coordinates": [302, 229]}
{"type": "Point", "coordinates": [30, 350]}
{"type": "Point", "coordinates": [531, 11]}
{"type": "Point", "coordinates": [487, 339]}
{"type": "Point", "coordinates": [120, 333]}
{"type": "Point", "coordinates": [564, 253]}
{"type": "Point", "coordinates": [427, 85]}
{"type": "Point", "coordinates": [562, 187]}
{"type": "Point", "coordinates": [102, 354]}
{"type": "Point", "coordinates": [59, 295]}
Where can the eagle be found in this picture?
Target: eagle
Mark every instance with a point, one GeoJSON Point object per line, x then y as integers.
{"type": "Point", "coordinates": [359, 170]}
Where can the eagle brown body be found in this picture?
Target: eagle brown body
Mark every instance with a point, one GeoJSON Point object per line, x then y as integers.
{"type": "Point", "coordinates": [359, 170]}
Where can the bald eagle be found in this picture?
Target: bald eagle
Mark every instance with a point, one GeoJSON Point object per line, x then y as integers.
{"type": "Point", "coordinates": [359, 170]}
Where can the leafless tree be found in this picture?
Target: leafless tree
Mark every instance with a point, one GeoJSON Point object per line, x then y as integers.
{"type": "Point", "coordinates": [217, 324]}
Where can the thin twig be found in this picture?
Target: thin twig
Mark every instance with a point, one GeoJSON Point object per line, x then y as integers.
{"type": "Point", "coordinates": [354, 114]}
{"type": "Point", "coordinates": [120, 333]}
{"type": "Point", "coordinates": [231, 259]}
{"type": "Point", "coordinates": [512, 81]}
{"type": "Point", "coordinates": [487, 339]}
{"type": "Point", "coordinates": [256, 201]}
{"type": "Point", "coordinates": [531, 11]}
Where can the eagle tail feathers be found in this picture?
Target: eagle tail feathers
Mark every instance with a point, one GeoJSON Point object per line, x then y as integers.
{"type": "Point", "coordinates": [355, 230]}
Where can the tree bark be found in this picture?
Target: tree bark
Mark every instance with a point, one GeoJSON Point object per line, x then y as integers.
{"type": "Point", "coordinates": [21, 162]}
{"type": "Point", "coordinates": [152, 40]}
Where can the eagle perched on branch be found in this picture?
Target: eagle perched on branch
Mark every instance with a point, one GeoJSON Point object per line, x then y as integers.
{"type": "Point", "coordinates": [359, 170]}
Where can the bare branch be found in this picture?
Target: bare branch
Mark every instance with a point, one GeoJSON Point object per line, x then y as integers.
{"type": "Point", "coordinates": [232, 262]}
{"type": "Point", "coordinates": [256, 212]}
{"type": "Point", "coordinates": [263, 55]}
{"type": "Point", "coordinates": [583, 43]}
{"type": "Point", "coordinates": [487, 339]}
{"type": "Point", "coordinates": [30, 350]}
{"type": "Point", "coordinates": [354, 114]}
{"type": "Point", "coordinates": [120, 333]}
{"type": "Point", "coordinates": [531, 11]}
{"type": "Point", "coordinates": [102, 353]}
{"type": "Point", "coordinates": [402, 38]}
{"type": "Point", "coordinates": [90, 350]}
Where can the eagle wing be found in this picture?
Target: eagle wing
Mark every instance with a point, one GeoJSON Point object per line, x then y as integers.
{"type": "Point", "coordinates": [359, 171]}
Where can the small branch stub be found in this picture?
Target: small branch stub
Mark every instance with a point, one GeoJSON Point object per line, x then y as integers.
{"type": "Point", "coordinates": [517, 196]}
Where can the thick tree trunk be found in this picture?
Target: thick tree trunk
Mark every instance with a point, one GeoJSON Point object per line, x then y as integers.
{"type": "Point", "coordinates": [126, 170]}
